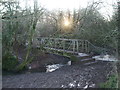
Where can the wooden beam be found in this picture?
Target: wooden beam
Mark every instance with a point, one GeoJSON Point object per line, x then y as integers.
{"type": "Point", "coordinates": [60, 38]}
{"type": "Point", "coordinates": [88, 47]}
{"type": "Point", "coordinates": [73, 45]}
{"type": "Point", "coordinates": [82, 42]}
{"type": "Point", "coordinates": [77, 46]}
{"type": "Point", "coordinates": [60, 50]}
{"type": "Point", "coordinates": [66, 45]}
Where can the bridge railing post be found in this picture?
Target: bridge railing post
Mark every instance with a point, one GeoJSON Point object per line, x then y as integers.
{"type": "Point", "coordinates": [64, 45]}
{"type": "Point", "coordinates": [82, 42]}
{"type": "Point", "coordinates": [85, 48]}
{"type": "Point", "coordinates": [73, 45]}
{"type": "Point", "coordinates": [55, 43]}
{"type": "Point", "coordinates": [88, 46]}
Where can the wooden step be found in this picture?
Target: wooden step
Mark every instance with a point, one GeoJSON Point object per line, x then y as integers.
{"type": "Point", "coordinates": [83, 57]}
{"type": "Point", "coordinates": [89, 63]}
{"type": "Point", "coordinates": [87, 59]}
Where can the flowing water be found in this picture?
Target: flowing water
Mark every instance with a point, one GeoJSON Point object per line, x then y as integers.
{"type": "Point", "coordinates": [51, 68]}
{"type": "Point", "coordinates": [105, 58]}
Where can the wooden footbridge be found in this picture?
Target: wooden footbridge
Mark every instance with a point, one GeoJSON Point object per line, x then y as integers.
{"type": "Point", "coordinates": [66, 45]}
{"type": "Point", "coordinates": [74, 46]}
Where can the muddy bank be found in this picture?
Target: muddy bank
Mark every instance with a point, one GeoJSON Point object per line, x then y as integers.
{"type": "Point", "coordinates": [40, 59]}
{"type": "Point", "coordinates": [76, 76]}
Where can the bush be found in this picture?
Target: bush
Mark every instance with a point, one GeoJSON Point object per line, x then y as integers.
{"type": "Point", "coordinates": [73, 58]}
{"type": "Point", "coordinates": [9, 62]}
{"type": "Point", "coordinates": [111, 83]}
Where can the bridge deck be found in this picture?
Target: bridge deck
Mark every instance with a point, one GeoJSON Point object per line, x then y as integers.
{"type": "Point", "coordinates": [61, 50]}
{"type": "Point", "coordinates": [66, 45]}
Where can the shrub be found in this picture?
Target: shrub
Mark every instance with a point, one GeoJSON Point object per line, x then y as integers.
{"type": "Point", "coordinates": [9, 62]}
{"type": "Point", "coordinates": [111, 83]}
{"type": "Point", "coordinates": [73, 58]}
{"type": "Point", "coordinates": [23, 65]}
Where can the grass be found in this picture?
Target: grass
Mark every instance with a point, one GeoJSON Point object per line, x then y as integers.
{"type": "Point", "coordinates": [0, 54]}
{"type": "Point", "coordinates": [119, 80]}
{"type": "Point", "coordinates": [118, 67]}
{"type": "Point", "coordinates": [110, 83]}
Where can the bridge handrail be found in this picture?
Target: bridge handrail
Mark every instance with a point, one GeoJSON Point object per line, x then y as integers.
{"type": "Point", "coordinates": [96, 47]}
{"type": "Point", "coordinates": [61, 39]}
{"type": "Point", "coordinates": [90, 46]}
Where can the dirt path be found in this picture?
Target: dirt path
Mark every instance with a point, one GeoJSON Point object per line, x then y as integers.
{"type": "Point", "coordinates": [65, 77]}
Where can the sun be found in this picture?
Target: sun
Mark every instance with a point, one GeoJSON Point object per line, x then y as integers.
{"type": "Point", "coordinates": [66, 23]}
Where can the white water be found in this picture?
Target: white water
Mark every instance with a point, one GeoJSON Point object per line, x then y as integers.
{"type": "Point", "coordinates": [51, 68]}
{"type": "Point", "coordinates": [82, 54]}
{"type": "Point", "coordinates": [105, 58]}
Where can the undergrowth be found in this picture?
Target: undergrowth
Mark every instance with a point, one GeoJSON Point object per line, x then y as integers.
{"type": "Point", "coordinates": [110, 83]}
{"type": "Point", "coordinates": [9, 62]}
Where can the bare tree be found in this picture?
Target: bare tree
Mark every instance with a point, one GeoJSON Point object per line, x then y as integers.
{"type": "Point", "coordinates": [37, 12]}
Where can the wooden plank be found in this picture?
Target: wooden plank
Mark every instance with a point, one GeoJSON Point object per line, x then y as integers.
{"type": "Point", "coordinates": [61, 38]}
{"type": "Point", "coordinates": [60, 50]}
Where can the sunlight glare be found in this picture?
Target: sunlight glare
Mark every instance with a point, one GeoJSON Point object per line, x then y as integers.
{"type": "Point", "coordinates": [66, 23]}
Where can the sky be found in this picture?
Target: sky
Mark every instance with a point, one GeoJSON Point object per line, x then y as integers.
{"type": "Point", "coordinates": [106, 8]}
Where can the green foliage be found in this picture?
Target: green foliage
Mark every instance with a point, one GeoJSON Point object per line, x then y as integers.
{"type": "Point", "coordinates": [69, 55]}
{"type": "Point", "coordinates": [22, 66]}
{"type": "Point", "coordinates": [111, 83]}
{"type": "Point", "coordinates": [98, 52]}
{"type": "Point", "coordinates": [73, 58]}
{"type": "Point", "coordinates": [118, 70]}
{"type": "Point", "coordinates": [118, 80]}
{"type": "Point", "coordinates": [66, 54]}
{"type": "Point", "coordinates": [9, 62]}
